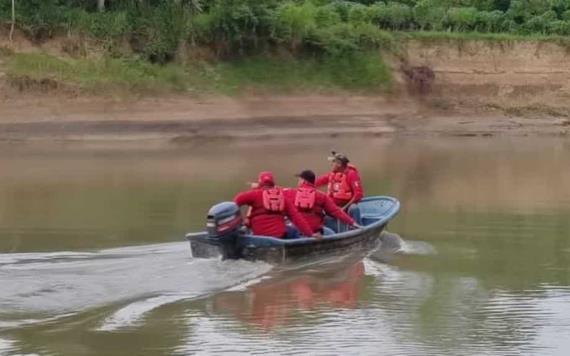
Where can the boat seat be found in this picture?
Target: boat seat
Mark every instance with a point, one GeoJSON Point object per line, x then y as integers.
{"type": "Point", "coordinates": [337, 226]}
{"type": "Point", "coordinates": [327, 231]}
{"type": "Point", "coordinates": [368, 219]}
{"type": "Point", "coordinates": [355, 212]}
{"type": "Point", "coordinates": [334, 225]}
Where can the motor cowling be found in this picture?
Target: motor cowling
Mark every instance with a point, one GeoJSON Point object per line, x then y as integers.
{"type": "Point", "coordinates": [224, 220]}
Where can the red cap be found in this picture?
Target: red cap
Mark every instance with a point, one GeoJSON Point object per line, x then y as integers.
{"type": "Point", "coordinates": [266, 178]}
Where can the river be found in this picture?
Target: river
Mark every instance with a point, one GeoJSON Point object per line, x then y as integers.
{"type": "Point", "coordinates": [93, 261]}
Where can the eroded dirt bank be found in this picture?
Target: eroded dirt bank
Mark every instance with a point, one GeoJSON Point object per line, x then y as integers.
{"type": "Point", "coordinates": [480, 89]}
{"type": "Point", "coordinates": [529, 75]}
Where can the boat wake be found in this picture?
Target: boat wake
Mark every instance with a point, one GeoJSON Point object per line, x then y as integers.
{"type": "Point", "coordinates": [421, 248]}
{"type": "Point", "coordinates": [128, 283]}
{"type": "Point", "coordinates": [134, 312]}
{"type": "Point", "coordinates": [392, 245]}
{"type": "Point", "coordinates": [5, 347]}
{"type": "Point", "coordinates": [41, 287]}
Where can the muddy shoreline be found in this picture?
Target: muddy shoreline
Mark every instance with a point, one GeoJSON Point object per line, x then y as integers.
{"type": "Point", "coordinates": [182, 119]}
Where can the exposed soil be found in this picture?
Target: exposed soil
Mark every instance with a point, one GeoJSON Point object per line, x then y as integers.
{"type": "Point", "coordinates": [186, 119]}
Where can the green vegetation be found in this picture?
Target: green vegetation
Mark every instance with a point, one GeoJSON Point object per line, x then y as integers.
{"type": "Point", "coordinates": [478, 36]}
{"type": "Point", "coordinates": [288, 43]}
{"type": "Point", "coordinates": [264, 73]}
{"type": "Point", "coordinates": [157, 30]}
{"type": "Point", "coordinates": [96, 74]}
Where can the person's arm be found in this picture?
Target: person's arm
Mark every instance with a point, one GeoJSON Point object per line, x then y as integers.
{"type": "Point", "coordinates": [298, 219]}
{"type": "Point", "coordinates": [322, 180]}
{"type": "Point", "coordinates": [356, 186]}
{"type": "Point", "coordinates": [245, 198]}
{"type": "Point", "coordinates": [334, 211]}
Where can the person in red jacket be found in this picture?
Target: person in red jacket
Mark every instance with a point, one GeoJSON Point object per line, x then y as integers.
{"type": "Point", "coordinates": [314, 204]}
{"type": "Point", "coordinates": [269, 207]}
{"type": "Point", "coordinates": [343, 182]}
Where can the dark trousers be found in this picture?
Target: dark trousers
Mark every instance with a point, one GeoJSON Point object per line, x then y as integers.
{"type": "Point", "coordinates": [292, 233]}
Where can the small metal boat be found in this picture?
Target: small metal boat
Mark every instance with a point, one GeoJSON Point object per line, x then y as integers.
{"type": "Point", "coordinates": [226, 235]}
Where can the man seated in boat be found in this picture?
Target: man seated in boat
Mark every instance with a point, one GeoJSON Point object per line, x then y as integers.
{"type": "Point", "coordinates": [269, 207]}
{"type": "Point", "coordinates": [343, 184]}
{"type": "Point", "coordinates": [314, 204]}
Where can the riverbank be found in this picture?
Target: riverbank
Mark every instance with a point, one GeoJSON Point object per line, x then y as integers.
{"type": "Point", "coordinates": [484, 86]}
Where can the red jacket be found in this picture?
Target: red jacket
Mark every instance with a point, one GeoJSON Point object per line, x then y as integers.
{"type": "Point", "coordinates": [315, 217]}
{"type": "Point", "coordinates": [269, 223]}
{"type": "Point", "coordinates": [348, 180]}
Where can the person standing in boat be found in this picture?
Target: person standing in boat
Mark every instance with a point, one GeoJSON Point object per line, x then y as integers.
{"type": "Point", "coordinates": [314, 204]}
{"type": "Point", "coordinates": [343, 184]}
{"type": "Point", "coordinates": [269, 207]}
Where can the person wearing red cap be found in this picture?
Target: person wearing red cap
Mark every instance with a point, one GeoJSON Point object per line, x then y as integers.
{"type": "Point", "coordinates": [269, 207]}
{"type": "Point", "coordinates": [343, 182]}
{"type": "Point", "coordinates": [314, 204]}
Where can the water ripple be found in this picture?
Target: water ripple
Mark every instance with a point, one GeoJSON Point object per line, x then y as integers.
{"type": "Point", "coordinates": [53, 284]}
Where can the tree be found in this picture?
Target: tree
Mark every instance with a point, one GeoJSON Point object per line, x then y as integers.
{"type": "Point", "coordinates": [462, 18]}
{"type": "Point", "coordinates": [13, 21]}
{"type": "Point", "coordinates": [101, 5]}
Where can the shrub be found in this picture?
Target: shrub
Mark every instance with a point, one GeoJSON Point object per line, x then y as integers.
{"type": "Point", "coordinates": [429, 16]}
{"type": "Point", "coordinates": [326, 16]}
{"type": "Point", "coordinates": [336, 40]}
{"type": "Point", "coordinates": [378, 15]}
{"type": "Point", "coordinates": [489, 21]}
{"type": "Point", "coordinates": [561, 28]}
{"type": "Point", "coordinates": [342, 8]}
{"type": "Point", "coordinates": [539, 24]}
{"type": "Point", "coordinates": [106, 25]}
{"type": "Point", "coordinates": [233, 26]}
{"type": "Point", "coordinates": [346, 39]}
{"type": "Point", "coordinates": [158, 31]}
{"type": "Point", "coordinates": [462, 18]}
{"type": "Point", "coordinates": [393, 16]}
{"type": "Point", "coordinates": [295, 22]}
{"type": "Point", "coordinates": [40, 19]}
{"type": "Point", "coordinates": [358, 14]}
{"type": "Point", "coordinates": [400, 15]}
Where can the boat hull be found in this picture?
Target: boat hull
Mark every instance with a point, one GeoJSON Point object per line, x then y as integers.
{"type": "Point", "coordinates": [279, 254]}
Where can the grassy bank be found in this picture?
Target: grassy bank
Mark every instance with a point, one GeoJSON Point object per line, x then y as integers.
{"type": "Point", "coordinates": [498, 38]}
{"type": "Point", "coordinates": [361, 71]}
{"type": "Point", "coordinates": [366, 72]}
{"type": "Point", "coordinates": [237, 45]}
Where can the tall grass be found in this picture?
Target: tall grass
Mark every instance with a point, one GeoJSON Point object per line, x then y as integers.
{"type": "Point", "coordinates": [477, 36]}
{"type": "Point", "coordinates": [366, 73]}
{"type": "Point", "coordinates": [98, 74]}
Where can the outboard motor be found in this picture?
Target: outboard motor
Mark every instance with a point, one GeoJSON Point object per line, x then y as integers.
{"type": "Point", "coordinates": [223, 227]}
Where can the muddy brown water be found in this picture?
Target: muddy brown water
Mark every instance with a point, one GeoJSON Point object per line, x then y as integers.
{"type": "Point", "coordinates": [93, 262]}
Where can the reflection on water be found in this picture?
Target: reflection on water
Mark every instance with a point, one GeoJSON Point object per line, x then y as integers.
{"type": "Point", "coordinates": [272, 302]}
{"type": "Point", "coordinates": [92, 262]}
